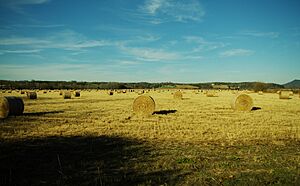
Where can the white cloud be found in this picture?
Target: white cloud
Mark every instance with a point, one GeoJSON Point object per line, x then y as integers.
{"type": "Point", "coordinates": [20, 51]}
{"type": "Point", "coordinates": [171, 10]}
{"type": "Point", "coordinates": [236, 52]}
{"type": "Point", "coordinates": [203, 44]}
{"type": "Point", "coordinates": [66, 40]}
{"type": "Point", "coordinates": [260, 34]}
{"type": "Point", "coordinates": [16, 5]}
{"type": "Point", "coordinates": [21, 41]}
{"type": "Point", "coordinates": [149, 54]}
{"type": "Point", "coordinates": [151, 6]}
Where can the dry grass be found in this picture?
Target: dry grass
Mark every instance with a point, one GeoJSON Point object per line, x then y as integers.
{"type": "Point", "coordinates": [96, 140]}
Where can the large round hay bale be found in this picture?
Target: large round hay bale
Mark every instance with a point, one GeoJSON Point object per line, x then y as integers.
{"type": "Point", "coordinates": [284, 94]}
{"type": "Point", "coordinates": [144, 105]}
{"type": "Point", "coordinates": [177, 95]}
{"type": "Point", "coordinates": [291, 93]}
{"type": "Point", "coordinates": [67, 95]}
{"type": "Point", "coordinates": [141, 92]}
{"type": "Point", "coordinates": [4, 108]}
{"type": "Point", "coordinates": [211, 93]}
{"type": "Point", "coordinates": [260, 93]}
{"type": "Point", "coordinates": [32, 95]}
{"type": "Point", "coordinates": [77, 93]}
{"type": "Point", "coordinates": [10, 105]}
{"type": "Point", "coordinates": [242, 102]}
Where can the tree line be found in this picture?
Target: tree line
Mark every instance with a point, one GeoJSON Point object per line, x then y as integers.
{"type": "Point", "coordinates": [33, 84]}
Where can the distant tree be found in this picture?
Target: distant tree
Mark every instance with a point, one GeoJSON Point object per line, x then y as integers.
{"type": "Point", "coordinates": [260, 86]}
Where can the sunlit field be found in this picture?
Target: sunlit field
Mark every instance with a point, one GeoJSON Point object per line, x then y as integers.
{"type": "Point", "coordinates": [95, 139]}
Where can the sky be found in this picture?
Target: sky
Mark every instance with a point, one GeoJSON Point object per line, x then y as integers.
{"type": "Point", "coordinates": [184, 41]}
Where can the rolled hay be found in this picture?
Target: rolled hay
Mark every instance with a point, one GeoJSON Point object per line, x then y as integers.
{"type": "Point", "coordinates": [141, 92]}
{"type": "Point", "coordinates": [260, 93]}
{"type": "Point", "coordinates": [4, 108]}
{"type": "Point", "coordinates": [110, 93]}
{"type": "Point", "coordinates": [67, 95]}
{"type": "Point", "coordinates": [11, 106]}
{"type": "Point", "coordinates": [32, 95]}
{"type": "Point", "coordinates": [177, 95]}
{"type": "Point", "coordinates": [291, 93]}
{"type": "Point", "coordinates": [144, 105]}
{"type": "Point", "coordinates": [211, 93]}
{"type": "Point", "coordinates": [77, 93]}
{"type": "Point", "coordinates": [242, 102]}
{"type": "Point", "coordinates": [284, 94]}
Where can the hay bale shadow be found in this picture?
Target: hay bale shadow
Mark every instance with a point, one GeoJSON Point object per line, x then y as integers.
{"type": "Point", "coordinates": [164, 112]}
{"type": "Point", "coordinates": [255, 108]}
{"type": "Point", "coordinates": [80, 160]}
{"type": "Point", "coordinates": [42, 113]}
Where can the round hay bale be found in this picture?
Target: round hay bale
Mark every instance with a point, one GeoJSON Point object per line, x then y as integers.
{"type": "Point", "coordinates": [291, 93]}
{"type": "Point", "coordinates": [141, 92]}
{"type": "Point", "coordinates": [77, 93]}
{"type": "Point", "coordinates": [4, 108]}
{"type": "Point", "coordinates": [32, 95]}
{"type": "Point", "coordinates": [177, 95]}
{"type": "Point", "coordinates": [67, 95]}
{"type": "Point", "coordinates": [144, 105]}
{"type": "Point", "coordinates": [260, 93]}
{"type": "Point", "coordinates": [284, 94]}
{"type": "Point", "coordinates": [242, 102]}
{"type": "Point", "coordinates": [211, 93]}
{"type": "Point", "coordinates": [110, 93]}
{"type": "Point", "coordinates": [11, 106]}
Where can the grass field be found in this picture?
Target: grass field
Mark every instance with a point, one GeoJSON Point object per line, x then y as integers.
{"type": "Point", "coordinates": [95, 139]}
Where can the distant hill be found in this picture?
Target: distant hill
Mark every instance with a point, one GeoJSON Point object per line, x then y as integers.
{"type": "Point", "coordinates": [293, 84]}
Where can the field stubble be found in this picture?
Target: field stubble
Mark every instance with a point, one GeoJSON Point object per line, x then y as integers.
{"type": "Point", "coordinates": [196, 140]}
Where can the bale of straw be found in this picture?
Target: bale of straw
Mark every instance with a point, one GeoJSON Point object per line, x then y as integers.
{"type": "Point", "coordinates": [4, 108]}
{"type": "Point", "coordinates": [177, 95]}
{"type": "Point", "coordinates": [67, 95]}
{"type": "Point", "coordinates": [32, 95]}
{"type": "Point", "coordinates": [211, 93]}
{"type": "Point", "coordinates": [11, 106]}
{"type": "Point", "coordinates": [291, 93]}
{"type": "Point", "coordinates": [242, 102]}
{"type": "Point", "coordinates": [144, 105]}
{"type": "Point", "coordinates": [260, 93]}
{"type": "Point", "coordinates": [284, 94]}
{"type": "Point", "coordinates": [77, 93]}
{"type": "Point", "coordinates": [141, 92]}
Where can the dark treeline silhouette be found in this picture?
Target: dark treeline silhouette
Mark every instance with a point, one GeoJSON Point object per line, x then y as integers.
{"type": "Point", "coordinates": [33, 84]}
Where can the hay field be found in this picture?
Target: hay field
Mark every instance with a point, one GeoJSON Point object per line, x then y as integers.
{"type": "Point", "coordinates": [95, 139]}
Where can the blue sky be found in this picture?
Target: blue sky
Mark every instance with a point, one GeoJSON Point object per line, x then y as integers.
{"type": "Point", "coordinates": [150, 40]}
